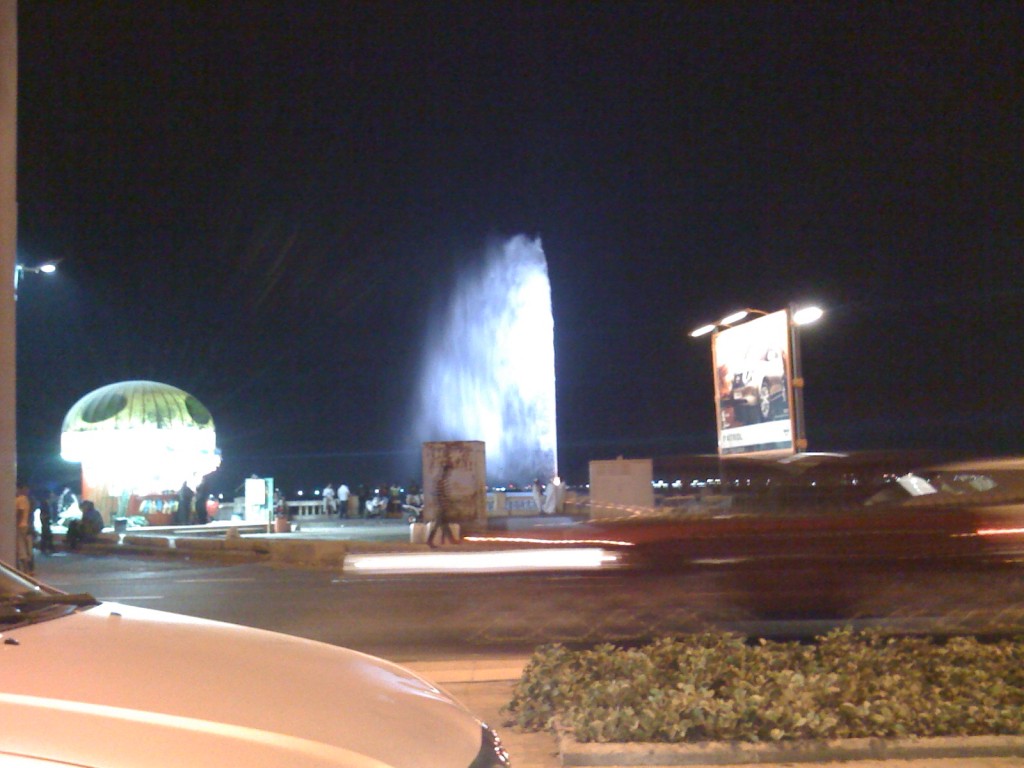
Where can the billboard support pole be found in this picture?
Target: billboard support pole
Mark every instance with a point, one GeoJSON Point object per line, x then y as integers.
{"type": "Point", "coordinates": [797, 387]}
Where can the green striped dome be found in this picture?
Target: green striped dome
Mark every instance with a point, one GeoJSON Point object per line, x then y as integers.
{"type": "Point", "coordinates": [134, 404]}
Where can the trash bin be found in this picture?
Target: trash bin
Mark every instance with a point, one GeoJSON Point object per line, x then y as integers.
{"type": "Point", "coordinates": [120, 525]}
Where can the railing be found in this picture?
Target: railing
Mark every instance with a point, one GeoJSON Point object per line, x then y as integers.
{"type": "Point", "coordinates": [499, 504]}
{"type": "Point", "coordinates": [302, 510]}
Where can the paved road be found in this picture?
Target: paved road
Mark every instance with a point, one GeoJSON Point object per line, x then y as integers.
{"type": "Point", "coordinates": [417, 616]}
{"type": "Point", "coordinates": [427, 621]}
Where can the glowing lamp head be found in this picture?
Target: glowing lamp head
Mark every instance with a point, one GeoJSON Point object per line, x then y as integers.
{"type": "Point", "coordinates": [807, 315]}
{"type": "Point", "coordinates": [735, 317]}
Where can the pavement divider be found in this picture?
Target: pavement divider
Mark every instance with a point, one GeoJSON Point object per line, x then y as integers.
{"type": "Point", "coordinates": [574, 753]}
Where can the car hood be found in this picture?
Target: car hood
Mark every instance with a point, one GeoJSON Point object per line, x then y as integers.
{"type": "Point", "coordinates": [120, 685]}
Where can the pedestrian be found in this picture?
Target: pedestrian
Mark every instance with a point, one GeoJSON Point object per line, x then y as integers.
{"type": "Point", "coordinates": [537, 489]}
{"type": "Point", "coordinates": [330, 500]}
{"type": "Point", "coordinates": [66, 499]}
{"type": "Point", "coordinates": [47, 512]}
{"type": "Point", "coordinates": [343, 494]}
{"type": "Point", "coordinates": [361, 499]}
{"type": "Point", "coordinates": [202, 496]}
{"type": "Point", "coordinates": [183, 515]}
{"type": "Point", "coordinates": [443, 509]}
{"type": "Point", "coordinates": [24, 531]}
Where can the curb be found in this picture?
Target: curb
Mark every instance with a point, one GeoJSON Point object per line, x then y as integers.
{"type": "Point", "coordinates": [574, 753]}
{"type": "Point", "coordinates": [472, 671]}
{"type": "Point", "coordinates": [285, 549]}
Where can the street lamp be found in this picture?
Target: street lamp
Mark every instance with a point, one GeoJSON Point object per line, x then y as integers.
{"type": "Point", "coordinates": [795, 317]}
{"type": "Point", "coordinates": [19, 269]}
{"type": "Point", "coordinates": [727, 321]}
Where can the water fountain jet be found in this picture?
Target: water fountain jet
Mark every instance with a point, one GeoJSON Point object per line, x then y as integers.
{"type": "Point", "coordinates": [489, 372]}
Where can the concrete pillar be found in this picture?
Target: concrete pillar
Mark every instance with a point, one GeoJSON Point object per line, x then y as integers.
{"type": "Point", "coordinates": [8, 257]}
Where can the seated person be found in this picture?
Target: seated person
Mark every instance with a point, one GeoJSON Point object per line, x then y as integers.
{"type": "Point", "coordinates": [87, 528]}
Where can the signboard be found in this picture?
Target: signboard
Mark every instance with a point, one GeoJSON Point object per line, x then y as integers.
{"type": "Point", "coordinates": [753, 365]}
{"type": "Point", "coordinates": [259, 493]}
{"type": "Point", "coordinates": [621, 487]}
{"type": "Point", "coordinates": [462, 464]}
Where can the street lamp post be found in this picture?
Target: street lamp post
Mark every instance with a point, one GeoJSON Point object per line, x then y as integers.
{"type": "Point", "coordinates": [20, 269]}
{"type": "Point", "coordinates": [797, 319]}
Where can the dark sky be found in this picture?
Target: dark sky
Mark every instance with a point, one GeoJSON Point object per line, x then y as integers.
{"type": "Point", "coordinates": [261, 202]}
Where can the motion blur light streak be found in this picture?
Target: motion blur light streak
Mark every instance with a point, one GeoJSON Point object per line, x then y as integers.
{"type": "Point", "coordinates": [490, 370]}
{"type": "Point", "coordinates": [553, 542]}
{"type": "Point", "coordinates": [1000, 531]}
{"type": "Point", "coordinates": [469, 562]}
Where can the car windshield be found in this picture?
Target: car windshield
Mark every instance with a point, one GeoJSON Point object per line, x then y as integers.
{"type": "Point", "coordinates": [955, 485]}
{"type": "Point", "coordinates": [23, 601]}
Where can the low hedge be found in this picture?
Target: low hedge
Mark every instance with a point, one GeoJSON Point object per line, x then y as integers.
{"type": "Point", "coordinates": [716, 687]}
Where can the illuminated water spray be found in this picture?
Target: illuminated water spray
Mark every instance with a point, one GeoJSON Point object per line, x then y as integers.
{"type": "Point", "coordinates": [490, 366]}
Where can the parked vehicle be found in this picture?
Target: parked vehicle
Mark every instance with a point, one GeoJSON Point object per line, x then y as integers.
{"type": "Point", "coordinates": [106, 685]}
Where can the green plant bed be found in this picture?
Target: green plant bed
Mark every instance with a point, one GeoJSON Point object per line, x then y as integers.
{"type": "Point", "coordinates": [717, 687]}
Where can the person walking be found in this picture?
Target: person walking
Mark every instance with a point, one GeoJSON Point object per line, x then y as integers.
{"type": "Point", "coordinates": [443, 511]}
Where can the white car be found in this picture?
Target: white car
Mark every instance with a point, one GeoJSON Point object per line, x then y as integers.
{"type": "Point", "coordinates": [106, 685]}
{"type": "Point", "coordinates": [759, 383]}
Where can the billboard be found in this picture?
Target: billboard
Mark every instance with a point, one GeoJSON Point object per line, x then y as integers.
{"type": "Point", "coordinates": [753, 365]}
{"type": "Point", "coordinates": [465, 464]}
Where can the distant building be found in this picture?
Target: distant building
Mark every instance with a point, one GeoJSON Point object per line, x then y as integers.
{"type": "Point", "coordinates": [138, 438]}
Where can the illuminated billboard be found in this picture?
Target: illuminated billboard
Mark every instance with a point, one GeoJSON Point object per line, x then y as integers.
{"type": "Point", "coordinates": [753, 365]}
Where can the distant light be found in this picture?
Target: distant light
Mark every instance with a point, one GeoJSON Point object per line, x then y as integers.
{"type": "Point", "coordinates": [48, 268]}
{"type": "Point", "coordinates": [702, 331]}
{"type": "Point", "coordinates": [735, 317]}
{"type": "Point", "coordinates": [806, 315]}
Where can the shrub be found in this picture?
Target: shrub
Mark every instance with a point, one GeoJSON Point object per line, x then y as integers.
{"type": "Point", "coordinates": [718, 687]}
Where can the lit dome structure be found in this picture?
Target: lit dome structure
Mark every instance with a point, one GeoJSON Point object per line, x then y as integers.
{"type": "Point", "coordinates": [138, 438]}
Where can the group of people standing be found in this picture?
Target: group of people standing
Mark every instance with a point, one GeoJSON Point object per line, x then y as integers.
{"type": "Point", "coordinates": [336, 501]}
{"type": "Point", "coordinates": [86, 527]}
{"type": "Point", "coordinates": [192, 505]}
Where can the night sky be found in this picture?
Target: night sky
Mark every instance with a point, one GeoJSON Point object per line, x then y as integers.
{"type": "Point", "coordinates": [263, 203]}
